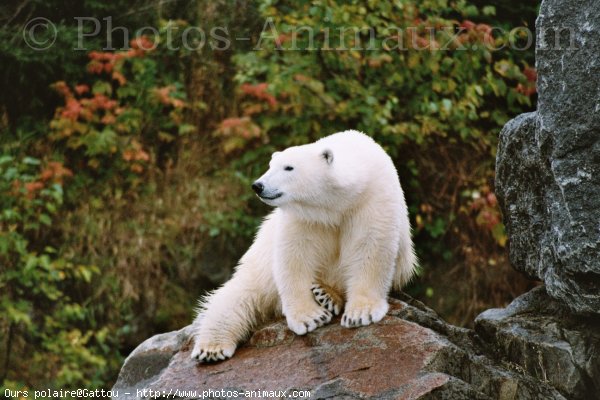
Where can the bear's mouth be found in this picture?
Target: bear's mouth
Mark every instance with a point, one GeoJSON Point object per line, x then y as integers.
{"type": "Point", "coordinates": [278, 195]}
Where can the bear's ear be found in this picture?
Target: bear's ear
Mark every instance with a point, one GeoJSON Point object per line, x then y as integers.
{"type": "Point", "coordinates": [275, 154]}
{"type": "Point", "coordinates": [327, 156]}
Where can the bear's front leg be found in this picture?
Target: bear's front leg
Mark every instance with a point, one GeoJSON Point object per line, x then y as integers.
{"type": "Point", "coordinates": [299, 251]}
{"type": "Point", "coordinates": [368, 261]}
{"type": "Point", "coordinates": [228, 315]}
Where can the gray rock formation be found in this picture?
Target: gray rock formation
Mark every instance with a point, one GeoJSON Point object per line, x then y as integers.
{"type": "Point", "coordinates": [548, 184]}
{"type": "Point", "coordinates": [548, 163]}
{"type": "Point", "coordinates": [540, 336]}
{"type": "Point", "coordinates": [411, 354]}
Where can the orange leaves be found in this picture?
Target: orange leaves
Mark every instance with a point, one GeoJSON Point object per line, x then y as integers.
{"type": "Point", "coordinates": [378, 60]}
{"type": "Point", "coordinates": [31, 188]}
{"type": "Point", "coordinates": [528, 88]}
{"type": "Point", "coordinates": [136, 155]}
{"type": "Point", "coordinates": [85, 108]}
{"type": "Point", "coordinates": [476, 33]}
{"type": "Point", "coordinates": [530, 74]}
{"type": "Point", "coordinates": [252, 109]}
{"type": "Point", "coordinates": [237, 133]}
{"type": "Point", "coordinates": [108, 119]}
{"type": "Point", "coordinates": [487, 214]}
{"type": "Point", "coordinates": [110, 62]}
{"type": "Point", "coordinates": [101, 102]}
{"type": "Point", "coordinates": [142, 44]}
{"type": "Point", "coordinates": [242, 127]}
{"type": "Point", "coordinates": [72, 109]}
{"type": "Point", "coordinates": [163, 94]}
{"type": "Point", "coordinates": [281, 39]}
{"type": "Point", "coordinates": [253, 92]}
{"type": "Point", "coordinates": [486, 30]}
{"type": "Point", "coordinates": [82, 89]}
{"type": "Point", "coordinates": [119, 77]}
{"type": "Point", "coordinates": [302, 78]}
{"type": "Point", "coordinates": [102, 61]}
{"type": "Point", "coordinates": [54, 172]}
{"type": "Point", "coordinates": [259, 91]}
{"type": "Point", "coordinates": [62, 88]}
{"type": "Point", "coordinates": [466, 24]}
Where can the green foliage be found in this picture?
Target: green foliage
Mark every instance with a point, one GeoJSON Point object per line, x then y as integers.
{"type": "Point", "coordinates": [114, 130]}
{"type": "Point", "coordinates": [37, 285]}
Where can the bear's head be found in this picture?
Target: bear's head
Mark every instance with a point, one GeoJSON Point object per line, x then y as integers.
{"type": "Point", "coordinates": [300, 176]}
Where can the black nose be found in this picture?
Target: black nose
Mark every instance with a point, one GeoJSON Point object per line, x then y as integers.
{"type": "Point", "coordinates": [258, 187]}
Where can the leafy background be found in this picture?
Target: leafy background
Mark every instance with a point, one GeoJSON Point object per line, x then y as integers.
{"type": "Point", "coordinates": [124, 174]}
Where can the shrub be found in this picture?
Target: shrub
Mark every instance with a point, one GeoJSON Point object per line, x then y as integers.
{"type": "Point", "coordinates": [46, 319]}
{"type": "Point", "coordinates": [113, 132]}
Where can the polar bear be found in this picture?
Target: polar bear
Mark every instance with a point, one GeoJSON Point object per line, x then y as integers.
{"type": "Point", "coordinates": [339, 238]}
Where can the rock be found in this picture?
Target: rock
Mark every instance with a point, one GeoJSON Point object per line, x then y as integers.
{"type": "Point", "coordinates": [548, 162]}
{"type": "Point", "coordinates": [540, 336]}
{"type": "Point", "coordinates": [548, 181]}
{"type": "Point", "coordinates": [149, 359]}
{"type": "Point", "coordinates": [411, 354]}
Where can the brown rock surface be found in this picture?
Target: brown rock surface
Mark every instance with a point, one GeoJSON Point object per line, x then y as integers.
{"type": "Point", "coordinates": [401, 357]}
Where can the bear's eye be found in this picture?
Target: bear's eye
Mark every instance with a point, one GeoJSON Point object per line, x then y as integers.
{"type": "Point", "coordinates": [289, 168]}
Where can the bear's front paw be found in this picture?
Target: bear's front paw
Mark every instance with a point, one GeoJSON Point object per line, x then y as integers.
{"type": "Point", "coordinates": [327, 298]}
{"type": "Point", "coordinates": [302, 322]}
{"type": "Point", "coordinates": [364, 312]}
{"type": "Point", "coordinates": [210, 352]}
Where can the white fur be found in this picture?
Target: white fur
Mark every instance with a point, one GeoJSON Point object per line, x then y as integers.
{"type": "Point", "coordinates": [340, 219]}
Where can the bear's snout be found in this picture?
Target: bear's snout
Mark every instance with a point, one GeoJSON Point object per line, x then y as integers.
{"type": "Point", "coordinates": [258, 187]}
